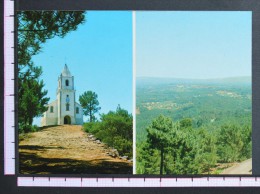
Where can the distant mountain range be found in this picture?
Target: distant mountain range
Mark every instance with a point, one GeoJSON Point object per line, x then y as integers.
{"type": "Point", "coordinates": [228, 80]}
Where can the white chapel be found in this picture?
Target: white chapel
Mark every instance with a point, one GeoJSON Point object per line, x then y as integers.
{"type": "Point", "coordinates": [65, 109]}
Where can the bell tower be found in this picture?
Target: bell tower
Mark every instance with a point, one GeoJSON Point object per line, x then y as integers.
{"type": "Point", "coordinates": [66, 98]}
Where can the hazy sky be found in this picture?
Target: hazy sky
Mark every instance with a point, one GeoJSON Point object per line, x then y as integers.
{"type": "Point", "coordinates": [192, 44]}
{"type": "Point", "coordinates": [98, 55]}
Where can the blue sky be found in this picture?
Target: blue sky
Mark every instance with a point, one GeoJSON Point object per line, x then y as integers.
{"type": "Point", "coordinates": [193, 44]}
{"type": "Point", "coordinates": [99, 56]}
{"type": "Point", "coordinates": [180, 44]}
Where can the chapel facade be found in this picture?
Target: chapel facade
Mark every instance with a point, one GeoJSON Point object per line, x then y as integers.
{"type": "Point", "coordinates": [65, 109]}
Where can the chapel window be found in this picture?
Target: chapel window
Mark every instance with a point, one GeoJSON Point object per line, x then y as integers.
{"type": "Point", "coordinates": [51, 110]}
{"type": "Point", "coordinates": [67, 107]}
{"type": "Point", "coordinates": [67, 82]}
{"type": "Point", "coordinates": [67, 99]}
{"type": "Point", "coordinates": [77, 110]}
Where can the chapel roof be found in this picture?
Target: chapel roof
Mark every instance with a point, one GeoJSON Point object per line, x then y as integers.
{"type": "Point", "coordinates": [66, 71]}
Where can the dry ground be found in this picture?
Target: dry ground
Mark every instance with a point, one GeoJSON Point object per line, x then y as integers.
{"type": "Point", "coordinates": [66, 149]}
{"type": "Point", "coordinates": [244, 167]}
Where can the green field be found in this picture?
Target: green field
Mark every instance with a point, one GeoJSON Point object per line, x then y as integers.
{"type": "Point", "coordinates": [214, 106]}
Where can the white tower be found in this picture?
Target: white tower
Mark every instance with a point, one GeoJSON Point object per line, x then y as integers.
{"type": "Point", "coordinates": [66, 98]}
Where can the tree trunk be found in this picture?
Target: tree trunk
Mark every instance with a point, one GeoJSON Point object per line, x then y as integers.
{"type": "Point", "coordinates": [30, 121]}
{"type": "Point", "coordinates": [90, 115]}
{"type": "Point", "coordinates": [161, 167]}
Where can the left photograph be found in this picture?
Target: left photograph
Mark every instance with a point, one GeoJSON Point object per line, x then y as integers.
{"type": "Point", "coordinates": [75, 92]}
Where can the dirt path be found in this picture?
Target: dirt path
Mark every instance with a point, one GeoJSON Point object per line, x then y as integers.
{"type": "Point", "coordinates": [66, 149]}
{"type": "Point", "coordinates": [244, 167]}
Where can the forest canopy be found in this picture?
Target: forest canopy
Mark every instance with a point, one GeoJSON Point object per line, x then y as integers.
{"type": "Point", "coordinates": [192, 127]}
{"type": "Point", "coordinates": [172, 148]}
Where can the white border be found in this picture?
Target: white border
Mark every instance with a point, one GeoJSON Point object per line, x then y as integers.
{"type": "Point", "coordinates": [138, 182]}
{"type": "Point", "coordinates": [134, 91]}
{"type": "Point", "coordinates": [9, 115]}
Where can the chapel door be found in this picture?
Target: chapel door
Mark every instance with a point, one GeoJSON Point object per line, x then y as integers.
{"type": "Point", "coordinates": [67, 120]}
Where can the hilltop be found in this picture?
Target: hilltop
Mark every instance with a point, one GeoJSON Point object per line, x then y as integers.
{"type": "Point", "coordinates": [142, 81]}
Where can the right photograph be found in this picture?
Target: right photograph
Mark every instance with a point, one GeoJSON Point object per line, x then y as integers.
{"type": "Point", "coordinates": [193, 92]}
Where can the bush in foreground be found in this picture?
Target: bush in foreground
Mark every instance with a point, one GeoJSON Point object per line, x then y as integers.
{"type": "Point", "coordinates": [115, 129]}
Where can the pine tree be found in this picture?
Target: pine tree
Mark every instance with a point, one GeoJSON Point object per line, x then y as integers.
{"type": "Point", "coordinates": [32, 100]}
{"type": "Point", "coordinates": [158, 136]}
{"type": "Point", "coordinates": [89, 102]}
